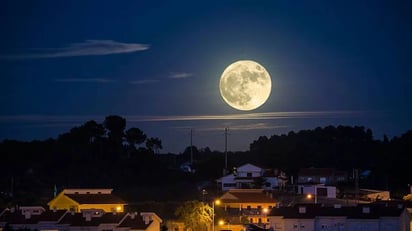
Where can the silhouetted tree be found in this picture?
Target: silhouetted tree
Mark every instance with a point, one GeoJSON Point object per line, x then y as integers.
{"type": "Point", "coordinates": [135, 136]}
{"type": "Point", "coordinates": [116, 125]}
{"type": "Point", "coordinates": [154, 144]}
{"type": "Point", "coordinates": [93, 130]}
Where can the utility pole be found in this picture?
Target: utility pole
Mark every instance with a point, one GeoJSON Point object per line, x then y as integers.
{"type": "Point", "coordinates": [191, 146]}
{"type": "Point", "coordinates": [226, 149]}
{"type": "Point", "coordinates": [356, 176]}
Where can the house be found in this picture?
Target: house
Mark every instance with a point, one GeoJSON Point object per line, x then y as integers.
{"type": "Point", "coordinates": [361, 217]}
{"type": "Point", "coordinates": [326, 176]}
{"type": "Point", "coordinates": [81, 199]}
{"type": "Point", "coordinates": [90, 219]}
{"type": "Point", "coordinates": [245, 206]}
{"type": "Point", "coordinates": [37, 218]}
{"type": "Point", "coordinates": [31, 217]}
{"type": "Point", "coordinates": [247, 199]}
{"type": "Point", "coordinates": [21, 218]}
{"type": "Point", "coordinates": [251, 176]}
{"type": "Point", "coordinates": [317, 190]}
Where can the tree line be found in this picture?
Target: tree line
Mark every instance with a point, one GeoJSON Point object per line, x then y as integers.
{"type": "Point", "coordinates": [109, 155]}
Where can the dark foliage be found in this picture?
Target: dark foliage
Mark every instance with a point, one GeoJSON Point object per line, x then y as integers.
{"type": "Point", "coordinates": [105, 155]}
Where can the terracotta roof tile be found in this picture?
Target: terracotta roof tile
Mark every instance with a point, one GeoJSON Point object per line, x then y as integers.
{"type": "Point", "coordinates": [252, 197]}
{"type": "Point", "coordinates": [134, 223]}
{"type": "Point", "coordinates": [77, 219]}
{"type": "Point", "coordinates": [52, 215]}
{"type": "Point", "coordinates": [96, 198]}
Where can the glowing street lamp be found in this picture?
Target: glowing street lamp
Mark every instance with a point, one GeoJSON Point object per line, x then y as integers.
{"type": "Point", "coordinates": [217, 202]}
{"type": "Point", "coordinates": [222, 222]}
{"type": "Point", "coordinates": [309, 196]}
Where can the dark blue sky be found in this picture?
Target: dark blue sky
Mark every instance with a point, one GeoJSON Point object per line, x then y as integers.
{"type": "Point", "coordinates": [158, 64]}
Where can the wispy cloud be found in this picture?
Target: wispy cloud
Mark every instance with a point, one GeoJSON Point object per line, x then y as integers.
{"type": "Point", "coordinates": [87, 48]}
{"type": "Point", "coordinates": [80, 80]}
{"type": "Point", "coordinates": [181, 75]}
{"type": "Point", "coordinates": [250, 116]}
{"type": "Point", "coordinates": [38, 118]}
{"type": "Point", "coordinates": [137, 118]}
{"type": "Point", "coordinates": [244, 127]}
{"type": "Point", "coordinates": [144, 81]}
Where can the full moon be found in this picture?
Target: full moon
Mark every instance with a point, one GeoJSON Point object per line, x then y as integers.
{"type": "Point", "coordinates": [245, 85]}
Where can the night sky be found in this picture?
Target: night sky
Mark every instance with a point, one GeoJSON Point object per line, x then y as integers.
{"type": "Point", "coordinates": [158, 64]}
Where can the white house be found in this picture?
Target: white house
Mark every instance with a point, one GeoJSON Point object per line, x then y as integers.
{"type": "Point", "coordinates": [318, 190]}
{"type": "Point", "coordinates": [251, 176]}
{"type": "Point", "coordinates": [362, 217]}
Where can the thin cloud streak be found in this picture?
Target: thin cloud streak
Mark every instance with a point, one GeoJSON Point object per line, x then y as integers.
{"type": "Point", "coordinates": [46, 119]}
{"type": "Point", "coordinates": [87, 48]}
{"type": "Point", "coordinates": [244, 127]}
{"type": "Point", "coordinates": [144, 81]}
{"type": "Point", "coordinates": [250, 116]}
{"type": "Point", "coordinates": [134, 118]}
{"type": "Point", "coordinates": [78, 80]}
{"type": "Point", "coordinates": [180, 75]}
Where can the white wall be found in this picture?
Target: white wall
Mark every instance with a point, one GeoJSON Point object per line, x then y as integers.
{"type": "Point", "coordinates": [299, 225]}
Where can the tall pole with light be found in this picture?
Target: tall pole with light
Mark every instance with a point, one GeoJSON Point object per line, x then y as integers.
{"type": "Point", "coordinates": [316, 194]}
{"type": "Point", "coordinates": [309, 196]}
{"type": "Point", "coordinates": [217, 202]}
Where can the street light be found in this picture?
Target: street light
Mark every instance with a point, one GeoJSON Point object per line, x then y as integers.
{"type": "Point", "coordinates": [222, 222]}
{"type": "Point", "coordinates": [309, 196]}
{"type": "Point", "coordinates": [265, 212]}
{"type": "Point", "coordinates": [217, 202]}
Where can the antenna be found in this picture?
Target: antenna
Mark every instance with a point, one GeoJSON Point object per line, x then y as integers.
{"type": "Point", "coordinates": [226, 129]}
{"type": "Point", "coordinates": [191, 146]}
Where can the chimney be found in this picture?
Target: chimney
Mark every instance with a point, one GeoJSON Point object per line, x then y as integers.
{"type": "Point", "coordinates": [88, 217]}
{"type": "Point", "coordinates": [337, 206]}
{"type": "Point", "coordinates": [133, 215]}
{"type": "Point", "coordinates": [302, 209]}
{"type": "Point", "coordinates": [146, 220]}
{"type": "Point", "coordinates": [27, 215]}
